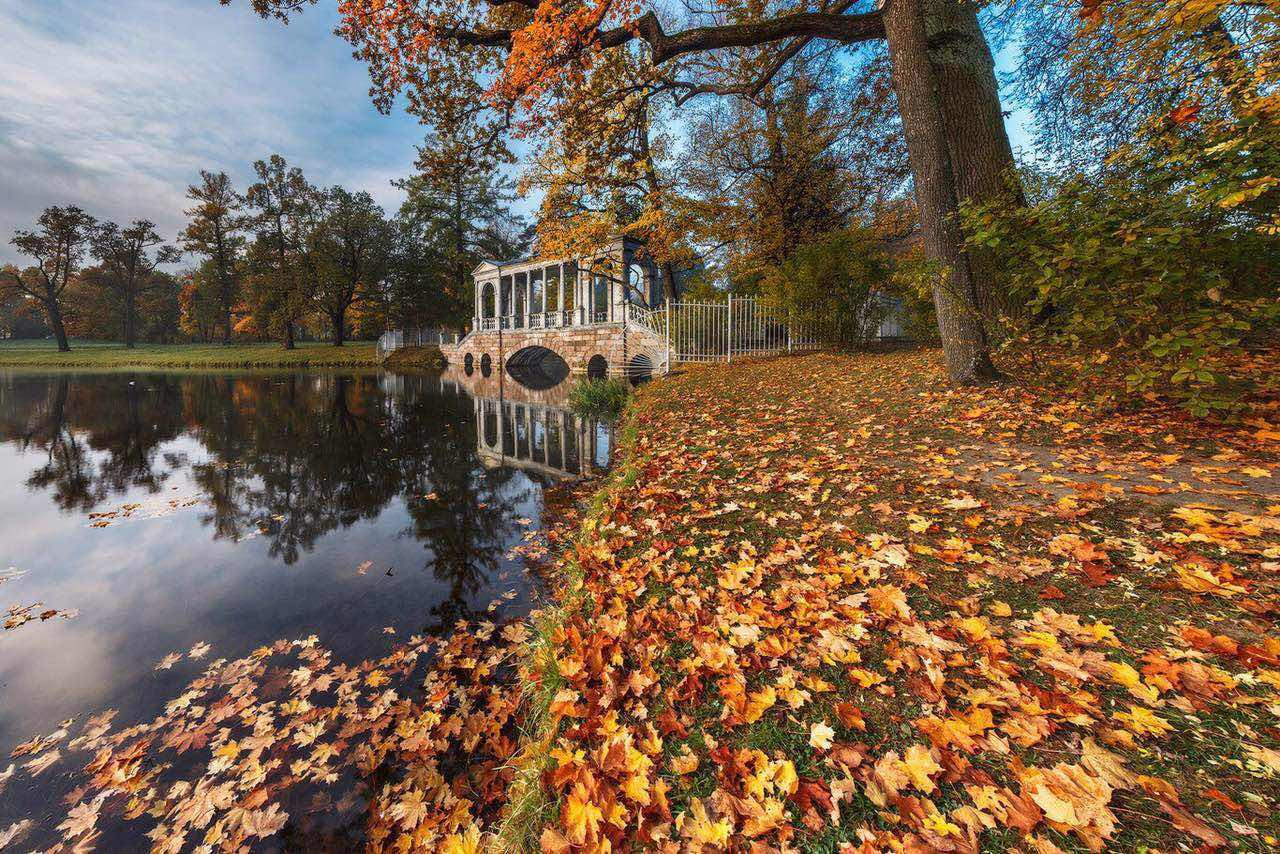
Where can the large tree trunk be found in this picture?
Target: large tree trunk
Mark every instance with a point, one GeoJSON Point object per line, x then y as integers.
{"type": "Point", "coordinates": [129, 309]}
{"type": "Point", "coordinates": [226, 325]}
{"type": "Point", "coordinates": [964, 339]}
{"type": "Point", "coordinates": [337, 321]}
{"type": "Point", "coordinates": [288, 335]}
{"type": "Point", "coordinates": [55, 323]}
{"type": "Point", "coordinates": [977, 141]}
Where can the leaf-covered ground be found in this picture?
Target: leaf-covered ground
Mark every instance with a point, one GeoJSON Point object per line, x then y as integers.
{"type": "Point", "coordinates": [839, 603]}
{"type": "Point", "coordinates": [825, 601]}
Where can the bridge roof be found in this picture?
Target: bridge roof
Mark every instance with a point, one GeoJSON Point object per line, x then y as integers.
{"type": "Point", "coordinates": [493, 265]}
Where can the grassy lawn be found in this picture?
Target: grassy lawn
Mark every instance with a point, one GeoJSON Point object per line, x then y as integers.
{"type": "Point", "coordinates": [96, 354]}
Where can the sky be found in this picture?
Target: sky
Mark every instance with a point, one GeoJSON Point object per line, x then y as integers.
{"type": "Point", "coordinates": [116, 106]}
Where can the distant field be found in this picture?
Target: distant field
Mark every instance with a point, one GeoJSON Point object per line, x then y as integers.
{"type": "Point", "coordinates": [99, 354]}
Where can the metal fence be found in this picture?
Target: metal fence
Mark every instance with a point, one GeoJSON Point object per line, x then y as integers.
{"type": "Point", "coordinates": [719, 331]}
{"type": "Point", "coordinates": [394, 339]}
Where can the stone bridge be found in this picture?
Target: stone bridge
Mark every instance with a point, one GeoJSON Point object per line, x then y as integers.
{"type": "Point", "coordinates": [596, 350]}
{"type": "Point", "coordinates": [597, 313]}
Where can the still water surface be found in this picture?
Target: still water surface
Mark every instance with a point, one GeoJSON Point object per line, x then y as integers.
{"type": "Point", "coordinates": [154, 512]}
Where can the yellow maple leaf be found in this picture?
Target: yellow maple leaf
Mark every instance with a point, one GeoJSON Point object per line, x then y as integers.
{"type": "Point", "coordinates": [462, 843]}
{"type": "Point", "coordinates": [1142, 721]}
{"type": "Point", "coordinates": [820, 736]}
{"type": "Point", "coordinates": [920, 766]}
{"type": "Point", "coordinates": [698, 826]}
{"type": "Point", "coordinates": [580, 816]}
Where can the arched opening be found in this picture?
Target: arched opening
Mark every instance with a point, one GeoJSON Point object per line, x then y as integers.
{"type": "Point", "coordinates": [597, 367]}
{"type": "Point", "coordinates": [537, 368]}
{"type": "Point", "coordinates": [486, 365]}
{"type": "Point", "coordinates": [469, 364]}
{"type": "Point", "coordinates": [640, 369]}
{"type": "Point", "coordinates": [487, 306]}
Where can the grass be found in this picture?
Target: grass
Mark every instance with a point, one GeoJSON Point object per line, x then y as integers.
{"type": "Point", "coordinates": [529, 804]}
{"type": "Point", "coordinates": [97, 354]}
{"type": "Point", "coordinates": [599, 397]}
{"type": "Point", "coordinates": [415, 357]}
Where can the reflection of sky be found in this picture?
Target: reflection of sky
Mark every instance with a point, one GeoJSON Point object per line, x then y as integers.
{"type": "Point", "coordinates": [146, 587]}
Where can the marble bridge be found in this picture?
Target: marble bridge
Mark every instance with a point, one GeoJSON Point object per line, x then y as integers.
{"type": "Point", "coordinates": [597, 315]}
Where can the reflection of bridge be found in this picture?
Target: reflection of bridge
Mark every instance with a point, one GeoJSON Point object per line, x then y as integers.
{"type": "Point", "coordinates": [519, 427]}
{"type": "Point", "coordinates": [535, 437]}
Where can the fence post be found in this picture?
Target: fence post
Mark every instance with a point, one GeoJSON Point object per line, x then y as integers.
{"type": "Point", "coordinates": [668, 335]}
{"type": "Point", "coordinates": [729, 336]}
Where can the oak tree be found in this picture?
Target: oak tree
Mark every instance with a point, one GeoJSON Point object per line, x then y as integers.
{"type": "Point", "coordinates": [531, 52]}
{"type": "Point", "coordinates": [353, 244]}
{"type": "Point", "coordinates": [129, 257]}
{"type": "Point", "coordinates": [58, 245]}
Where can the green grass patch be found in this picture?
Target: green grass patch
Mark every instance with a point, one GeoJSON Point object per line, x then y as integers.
{"type": "Point", "coordinates": [414, 357]}
{"type": "Point", "coordinates": [600, 397]}
{"type": "Point", "coordinates": [45, 354]}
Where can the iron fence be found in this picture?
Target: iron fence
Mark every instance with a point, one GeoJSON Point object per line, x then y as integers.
{"type": "Point", "coordinates": [719, 331]}
{"type": "Point", "coordinates": [394, 339]}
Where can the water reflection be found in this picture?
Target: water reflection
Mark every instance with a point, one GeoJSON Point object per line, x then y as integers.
{"type": "Point", "coordinates": [260, 496]}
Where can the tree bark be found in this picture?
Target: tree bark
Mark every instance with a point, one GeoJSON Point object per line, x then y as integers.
{"type": "Point", "coordinates": [964, 339]}
{"type": "Point", "coordinates": [55, 322]}
{"type": "Point", "coordinates": [978, 143]}
{"type": "Point", "coordinates": [288, 335]}
{"type": "Point", "coordinates": [337, 322]}
{"type": "Point", "coordinates": [130, 335]}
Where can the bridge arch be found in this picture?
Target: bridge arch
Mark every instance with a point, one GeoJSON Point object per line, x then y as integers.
{"type": "Point", "coordinates": [537, 367]}
{"type": "Point", "coordinates": [640, 368]}
{"type": "Point", "coordinates": [597, 367]}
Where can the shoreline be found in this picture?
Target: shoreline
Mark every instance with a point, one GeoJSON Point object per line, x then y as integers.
{"type": "Point", "coordinates": [189, 356]}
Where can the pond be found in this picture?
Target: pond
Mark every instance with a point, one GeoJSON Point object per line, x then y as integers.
{"type": "Point", "coordinates": [148, 518]}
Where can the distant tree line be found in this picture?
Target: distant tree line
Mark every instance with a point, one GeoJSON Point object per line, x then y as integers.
{"type": "Point", "coordinates": [282, 259]}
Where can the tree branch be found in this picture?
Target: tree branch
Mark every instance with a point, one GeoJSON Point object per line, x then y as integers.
{"type": "Point", "coordinates": [846, 29]}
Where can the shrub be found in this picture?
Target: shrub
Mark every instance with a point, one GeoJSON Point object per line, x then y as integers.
{"type": "Point", "coordinates": [833, 288]}
{"type": "Point", "coordinates": [1135, 267]}
{"type": "Point", "coordinates": [602, 398]}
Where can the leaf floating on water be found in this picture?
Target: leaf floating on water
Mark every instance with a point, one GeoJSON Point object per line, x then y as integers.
{"type": "Point", "coordinates": [364, 567]}
{"type": "Point", "coordinates": [200, 650]}
{"type": "Point", "coordinates": [14, 833]}
{"type": "Point", "coordinates": [169, 660]}
{"type": "Point", "coordinates": [43, 761]}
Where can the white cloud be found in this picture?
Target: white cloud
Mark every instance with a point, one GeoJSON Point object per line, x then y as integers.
{"type": "Point", "coordinates": [115, 105]}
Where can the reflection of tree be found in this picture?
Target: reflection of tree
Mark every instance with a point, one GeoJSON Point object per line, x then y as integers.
{"type": "Point", "coordinates": [124, 419]}
{"type": "Point", "coordinates": [131, 425]}
{"type": "Point", "coordinates": [469, 523]}
{"type": "Point", "coordinates": [290, 457]}
{"type": "Point", "coordinates": [299, 456]}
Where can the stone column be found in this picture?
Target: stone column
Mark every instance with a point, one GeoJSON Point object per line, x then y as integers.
{"type": "Point", "coordinates": [560, 291]}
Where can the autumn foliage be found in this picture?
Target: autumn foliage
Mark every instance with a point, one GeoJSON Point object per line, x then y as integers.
{"type": "Point", "coordinates": [873, 614]}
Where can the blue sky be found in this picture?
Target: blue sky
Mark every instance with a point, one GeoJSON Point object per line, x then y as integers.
{"type": "Point", "coordinates": [115, 105]}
